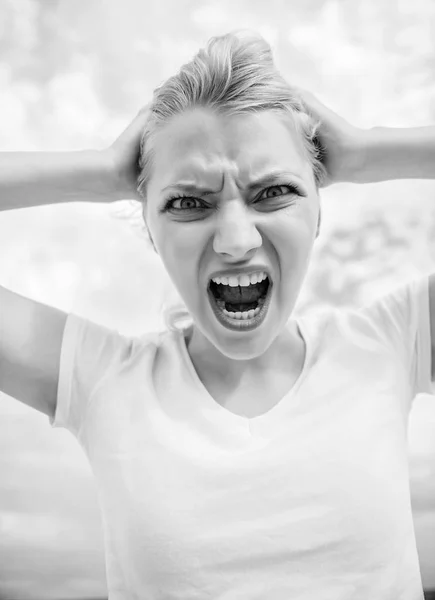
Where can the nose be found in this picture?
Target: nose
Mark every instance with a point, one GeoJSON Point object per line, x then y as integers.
{"type": "Point", "coordinates": [236, 234]}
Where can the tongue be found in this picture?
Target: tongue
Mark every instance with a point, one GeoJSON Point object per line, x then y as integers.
{"type": "Point", "coordinates": [242, 294]}
{"type": "Point", "coordinates": [238, 298]}
{"type": "Point", "coordinates": [243, 307]}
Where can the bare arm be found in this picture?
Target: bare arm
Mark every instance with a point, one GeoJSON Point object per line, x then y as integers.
{"type": "Point", "coordinates": [31, 333]}
{"type": "Point", "coordinates": [398, 153]}
{"type": "Point", "coordinates": [30, 344]}
{"type": "Point", "coordinates": [360, 155]}
{"type": "Point", "coordinates": [37, 178]}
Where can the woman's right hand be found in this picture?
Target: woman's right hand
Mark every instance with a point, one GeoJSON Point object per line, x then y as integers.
{"type": "Point", "coordinates": [123, 158]}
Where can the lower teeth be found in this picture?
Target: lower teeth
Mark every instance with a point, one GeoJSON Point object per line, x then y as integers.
{"type": "Point", "coordinates": [241, 316]}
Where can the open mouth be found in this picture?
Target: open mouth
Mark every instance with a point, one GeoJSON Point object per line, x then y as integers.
{"type": "Point", "coordinates": [234, 299]}
{"type": "Point", "coordinates": [240, 307]}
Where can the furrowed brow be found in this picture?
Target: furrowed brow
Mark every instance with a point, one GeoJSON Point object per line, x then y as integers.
{"type": "Point", "coordinates": [271, 178]}
{"type": "Point", "coordinates": [264, 180]}
{"type": "Point", "coordinates": [189, 187]}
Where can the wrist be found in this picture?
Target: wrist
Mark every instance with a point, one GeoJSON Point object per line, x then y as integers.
{"type": "Point", "coordinates": [120, 176]}
{"type": "Point", "coordinates": [359, 156]}
{"type": "Point", "coordinates": [109, 183]}
{"type": "Point", "coordinates": [397, 153]}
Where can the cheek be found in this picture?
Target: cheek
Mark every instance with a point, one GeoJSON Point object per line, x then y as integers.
{"type": "Point", "coordinates": [179, 243]}
{"type": "Point", "coordinates": [291, 240]}
{"type": "Point", "coordinates": [292, 231]}
{"type": "Point", "coordinates": [180, 253]}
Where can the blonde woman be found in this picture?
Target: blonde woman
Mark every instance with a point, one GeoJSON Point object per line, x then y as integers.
{"type": "Point", "coordinates": [249, 454]}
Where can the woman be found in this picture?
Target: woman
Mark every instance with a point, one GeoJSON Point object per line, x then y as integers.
{"type": "Point", "coordinates": [249, 454]}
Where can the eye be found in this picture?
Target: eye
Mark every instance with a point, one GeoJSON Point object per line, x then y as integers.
{"type": "Point", "coordinates": [184, 199]}
{"type": "Point", "coordinates": [276, 190]}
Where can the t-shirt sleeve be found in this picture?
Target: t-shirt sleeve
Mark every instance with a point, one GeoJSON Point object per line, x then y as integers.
{"type": "Point", "coordinates": [402, 319]}
{"type": "Point", "coordinates": [89, 353]}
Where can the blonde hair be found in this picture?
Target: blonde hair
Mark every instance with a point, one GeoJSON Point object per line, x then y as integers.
{"type": "Point", "coordinates": [234, 74]}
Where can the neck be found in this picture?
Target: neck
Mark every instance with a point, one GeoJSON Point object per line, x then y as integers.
{"type": "Point", "coordinates": [284, 354]}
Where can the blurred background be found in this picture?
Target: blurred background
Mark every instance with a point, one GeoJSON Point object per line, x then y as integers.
{"type": "Point", "coordinates": [72, 75]}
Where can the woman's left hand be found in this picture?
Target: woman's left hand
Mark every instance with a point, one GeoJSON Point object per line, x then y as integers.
{"type": "Point", "coordinates": [344, 144]}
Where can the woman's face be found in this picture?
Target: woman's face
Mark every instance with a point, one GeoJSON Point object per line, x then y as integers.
{"type": "Point", "coordinates": [233, 216]}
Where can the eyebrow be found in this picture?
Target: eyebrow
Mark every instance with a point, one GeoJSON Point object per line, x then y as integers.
{"type": "Point", "coordinates": [190, 186]}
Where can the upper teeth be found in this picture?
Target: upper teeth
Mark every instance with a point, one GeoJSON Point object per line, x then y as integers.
{"type": "Point", "coordinates": [242, 280]}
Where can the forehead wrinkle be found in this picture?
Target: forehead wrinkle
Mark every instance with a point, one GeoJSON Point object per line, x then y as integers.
{"type": "Point", "coordinates": [216, 161]}
{"type": "Point", "coordinates": [266, 177]}
{"type": "Point", "coordinates": [192, 173]}
{"type": "Point", "coordinates": [200, 170]}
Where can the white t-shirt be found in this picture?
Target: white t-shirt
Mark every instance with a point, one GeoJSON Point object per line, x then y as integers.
{"type": "Point", "coordinates": [309, 500]}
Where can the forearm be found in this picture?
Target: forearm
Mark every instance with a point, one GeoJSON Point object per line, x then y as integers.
{"type": "Point", "coordinates": [391, 153]}
{"type": "Point", "coordinates": [36, 178]}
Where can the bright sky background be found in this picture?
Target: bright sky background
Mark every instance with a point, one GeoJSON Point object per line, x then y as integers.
{"type": "Point", "coordinates": [72, 75]}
